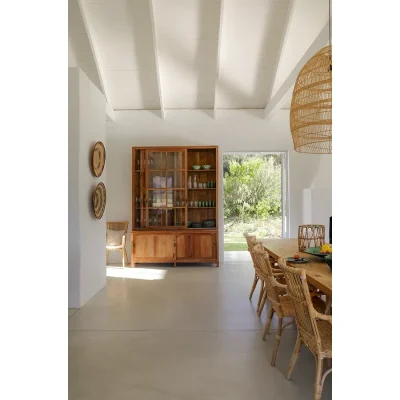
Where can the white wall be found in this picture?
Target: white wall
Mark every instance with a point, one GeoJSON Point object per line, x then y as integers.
{"type": "Point", "coordinates": [73, 189]}
{"type": "Point", "coordinates": [317, 200]}
{"type": "Point", "coordinates": [234, 130]}
{"type": "Point", "coordinates": [71, 55]}
{"type": "Point", "coordinates": [87, 236]}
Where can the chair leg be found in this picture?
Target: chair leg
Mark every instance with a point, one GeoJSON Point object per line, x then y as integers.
{"type": "Point", "coordinates": [328, 304]}
{"type": "Point", "coordinates": [263, 300]}
{"type": "Point", "coordinates": [107, 253]}
{"type": "Point", "coordinates": [123, 258]}
{"type": "Point", "coordinates": [318, 378]}
{"type": "Point", "coordinates": [253, 288]}
{"type": "Point", "coordinates": [126, 256]}
{"type": "Point", "coordinates": [260, 296]}
{"type": "Point", "coordinates": [295, 354]}
{"type": "Point", "coordinates": [269, 320]}
{"type": "Point", "coordinates": [277, 341]}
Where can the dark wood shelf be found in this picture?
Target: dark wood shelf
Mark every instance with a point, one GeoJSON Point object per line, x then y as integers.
{"type": "Point", "coordinates": [166, 170]}
{"type": "Point", "coordinates": [164, 208]}
{"type": "Point", "coordinates": [201, 170]}
{"type": "Point", "coordinates": [163, 188]}
{"type": "Point", "coordinates": [201, 207]}
{"type": "Point", "coordinates": [202, 189]}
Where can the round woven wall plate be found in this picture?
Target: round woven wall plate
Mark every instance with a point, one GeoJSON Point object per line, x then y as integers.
{"type": "Point", "coordinates": [98, 158]}
{"type": "Point", "coordinates": [99, 200]}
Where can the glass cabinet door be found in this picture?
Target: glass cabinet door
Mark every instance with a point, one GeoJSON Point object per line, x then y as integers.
{"type": "Point", "coordinates": [165, 198]}
{"type": "Point", "coordinates": [138, 190]}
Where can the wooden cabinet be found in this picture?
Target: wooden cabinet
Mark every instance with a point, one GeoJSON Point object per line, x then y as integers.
{"type": "Point", "coordinates": [175, 204]}
{"type": "Point", "coordinates": [153, 247]}
{"type": "Point", "coordinates": [196, 246]}
{"type": "Point", "coordinates": [203, 246]}
{"type": "Point", "coordinates": [183, 246]}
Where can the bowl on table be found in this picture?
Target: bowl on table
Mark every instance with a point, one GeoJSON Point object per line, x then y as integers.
{"type": "Point", "coordinates": [316, 251]}
{"type": "Point", "coordinates": [196, 166]}
{"type": "Point", "coordinates": [328, 260]}
{"type": "Point", "coordinates": [206, 166]}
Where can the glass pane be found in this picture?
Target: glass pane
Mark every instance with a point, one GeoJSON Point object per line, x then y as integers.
{"type": "Point", "coordinates": [157, 198]}
{"type": "Point", "coordinates": [156, 160]}
{"type": "Point", "coordinates": [176, 212]}
{"type": "Point", "coordinates": [176, 160]}
{"type": "Point", "coordinates": [176, 179]}
{"type": "Point", "coordinates": [156, 217]}
{"type": "Point", "coordinates": [156, 180]}
{"type": "Point", "coordinates": [176, 217]}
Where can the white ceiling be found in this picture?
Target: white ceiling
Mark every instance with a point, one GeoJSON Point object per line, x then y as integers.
{"type": "Point", "coordinates": [197, 54]}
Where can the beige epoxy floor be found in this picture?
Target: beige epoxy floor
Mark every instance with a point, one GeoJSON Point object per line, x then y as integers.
{"type": "Point", "coordinates": [165, 333]}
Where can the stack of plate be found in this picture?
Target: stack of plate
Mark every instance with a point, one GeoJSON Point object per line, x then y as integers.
{"type": "Point", "coordinates": [209, 223]}
{"type": "Point", "coordinates": [196, 225]}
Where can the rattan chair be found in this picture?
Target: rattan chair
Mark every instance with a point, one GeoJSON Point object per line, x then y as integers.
{"type": "Point", "coordinates": [250, 239]}
{"type": "Point", "coordinates": [280, 303]}
{"type": "Point", "coordinates": [311, 236]}
{"type": "Point", "coordinates": [120, 245]}
{"type": "Point", "coordinates": [258, 275]}
{"type": "Point", "coordinates": [314, 329]}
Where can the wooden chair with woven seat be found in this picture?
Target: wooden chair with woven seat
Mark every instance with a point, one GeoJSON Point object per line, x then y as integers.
{"type": "Point", "coordinates": [314, 329]}
{"type": "Point", "coordinates": [250, 239]}
{"type": "Point", "coordinates": [310, 236]}
{"type": "Point", "coordinates": [116, 239]}
{"type": "Point", "coordinates": [280, 303]}
{"type": "Point", "coordinates": [258, 275]}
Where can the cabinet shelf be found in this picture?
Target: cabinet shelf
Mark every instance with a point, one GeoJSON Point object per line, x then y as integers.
{"type": "Point", "coordinates": [201, 170]}
{"type": "Point", "coordinates": [169, 188]}
{"type": "Point", "coordinates": [166, 170]}
{"type": "Point", "coordinates": [163, 208]}
{"type": "Point", "coordinates": [201, 188]}
{"type": "Point", "coordinates": [201, 207]}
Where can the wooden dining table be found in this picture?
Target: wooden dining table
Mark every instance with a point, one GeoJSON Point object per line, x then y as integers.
{"type": "Point", "coordinates": [318, 272]}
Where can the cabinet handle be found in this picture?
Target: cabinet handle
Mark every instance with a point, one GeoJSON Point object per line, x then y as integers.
{"type": "Point", "coordinates": [134, 244]}
{"type": "Point", "coordinates": [174, 243]}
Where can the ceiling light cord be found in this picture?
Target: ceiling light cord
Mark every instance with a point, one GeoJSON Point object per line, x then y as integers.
{"type": "Point", "coordinates": [330, 25]}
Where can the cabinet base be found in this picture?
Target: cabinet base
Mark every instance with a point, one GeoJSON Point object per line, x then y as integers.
{"type": "Point", "coordinates": [174, 263]}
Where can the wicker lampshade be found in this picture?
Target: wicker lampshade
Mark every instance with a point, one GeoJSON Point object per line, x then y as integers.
{"type": "Point", "coordinates": [311, 108]}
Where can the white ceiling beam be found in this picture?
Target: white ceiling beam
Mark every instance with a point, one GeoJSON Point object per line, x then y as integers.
{"type": "Point", "coordinates": [156, 57]}
{"type": "Point", "coordinates": [221, 14]}
{"type": "Point", "coordinates": [84, 8]}
{"type": "Point", "coordinates": [110, 113]}
{"type": "Point", "coordinates": [281, 94]}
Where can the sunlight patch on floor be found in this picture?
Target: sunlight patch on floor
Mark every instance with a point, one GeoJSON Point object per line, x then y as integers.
{"type": "Point", "coordinates": [136, 273]}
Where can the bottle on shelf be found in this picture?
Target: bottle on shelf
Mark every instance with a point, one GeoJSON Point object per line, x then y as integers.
{"type": "Point", "coordinates": [195, 182]}
{"type": "Point", "coordinates": [177, 201]}
{"type": "Point", "coordinates": [190, 182]}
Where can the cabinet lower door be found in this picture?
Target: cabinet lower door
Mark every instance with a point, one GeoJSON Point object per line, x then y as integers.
{"type": "Point", "coordinates": [203, 246]}
{"type": "Point", "coordinates": [183, 248]}
{"type": "Point", "coordinates": [154, 247]}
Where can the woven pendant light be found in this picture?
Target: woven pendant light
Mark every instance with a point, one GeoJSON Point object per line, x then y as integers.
{"type": "Point", "coordinates": [311, 108]}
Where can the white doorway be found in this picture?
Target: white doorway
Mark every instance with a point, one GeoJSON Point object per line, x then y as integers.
{"type": "Point", "coordinates": [255, 196]}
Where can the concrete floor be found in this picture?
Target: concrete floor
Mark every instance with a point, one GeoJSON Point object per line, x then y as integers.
{"type": "Point", "coordinates": [164, 333]}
